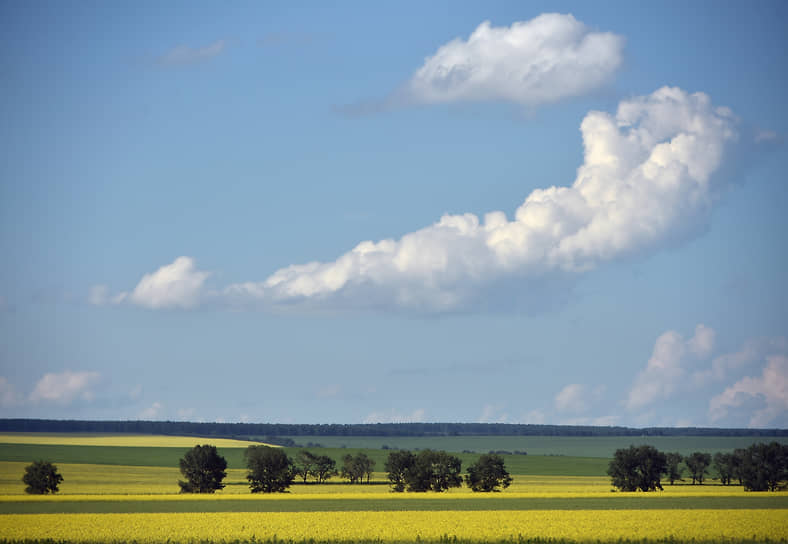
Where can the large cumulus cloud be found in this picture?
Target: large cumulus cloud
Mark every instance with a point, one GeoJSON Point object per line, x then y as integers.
{"type": "Point", "coordinates": [647, 180]}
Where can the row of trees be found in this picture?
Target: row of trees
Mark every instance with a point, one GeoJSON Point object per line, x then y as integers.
{"type": "Point", "coordinates": [761, 467]}
{"type": "Point", "coordinates": [271, 470]}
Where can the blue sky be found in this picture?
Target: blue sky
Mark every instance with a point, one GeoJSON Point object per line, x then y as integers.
{"type": "Point", "coordinates": [301, 212]}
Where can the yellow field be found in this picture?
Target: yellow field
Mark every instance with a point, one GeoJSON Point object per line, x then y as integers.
{"type": "Point", "coordinates": [150, 441]}
{"type": "Point", "coordinates": [126, 481]}
{"type": "Point", "coordinates": [577, 525]}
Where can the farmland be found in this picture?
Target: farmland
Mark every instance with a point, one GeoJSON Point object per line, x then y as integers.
{"type": "Point", "coordinates": [119, 488]}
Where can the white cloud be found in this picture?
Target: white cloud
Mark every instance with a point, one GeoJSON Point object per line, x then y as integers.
{"type": "Point", "coordinates": [493, 413]}
{"type": "Point", "coordinates": [668, 365]}
{"type": "Point", "coordinates": [534, 417]}
{"type": "Point", "coordinates": [176, 285]}
{"type": "Point", "coordinates": [8, 395]}
{"type": "Point", "coordinates": [395, 417]}
{"type": "Point", "coordinates": [543, 60]}
{"type": "Point", "coordinates": [151, 411]}
{"type": "Point", "coordinates": [646, 181]}
{"type": "Point", "coordinates": [577, 398]}
{"type": "Point", "coordinates": [65, 387]}
{"type": "Point", "coordinates": [571, 398]}
{"type": "Point", "coordinates": [100, 296]}
{"type": "Point", "coordinates": [753, 351]}
{"type": "Point", "coordinates": [183, 54]}
{"type": "Point", "coordinates": [771, 388]}
{"type": "Point", "coordinates": [703, 342]}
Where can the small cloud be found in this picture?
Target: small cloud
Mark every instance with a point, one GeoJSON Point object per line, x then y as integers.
{"type": "Point", "coordinates": [152, 411]}
{"type": "Point", "coordinates": [534, 417]}
{"type": "Point", "coordinates": [395, 417]}
{"type": "Point", "coordinates": [666, 370]}
{"type": "Point", "coordinates": [577, 398]}
{"type": "Point", "coordinates": [183, 54]}
{"type": "Point", "coordinates": [65, 387]}
{"type": "Point", "coordinates": [8, 395]}
{"type": "Point", "coordinates": [546, 59]}
{"type": "Point", "coordinates": [176, 285]}
{"type": "Point", "coordinates": [771, 387]}
{"type": "Point", "coordinates": [493, 413]}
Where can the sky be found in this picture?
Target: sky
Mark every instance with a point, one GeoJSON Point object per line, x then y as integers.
{"type": "Point", "coordinates": [308, 212]}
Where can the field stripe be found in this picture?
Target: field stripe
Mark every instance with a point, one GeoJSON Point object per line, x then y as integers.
{"type": "Point", "coordinates": [62, 506]}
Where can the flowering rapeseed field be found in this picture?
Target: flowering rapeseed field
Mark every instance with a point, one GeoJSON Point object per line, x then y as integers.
{"type": "Point", "coordinates": [578, 525]}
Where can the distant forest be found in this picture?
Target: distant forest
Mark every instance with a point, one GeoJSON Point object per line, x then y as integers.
{"type": "Point", "coordinates": [258, 431]}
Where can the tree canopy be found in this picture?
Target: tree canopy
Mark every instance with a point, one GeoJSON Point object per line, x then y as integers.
{"type": "Point", "coordinates": [41, 478]}
{"type": "Point", "coordinates": [698, 464]}
{"type": "Point", "coordinates": [488, 474]}
{"type": "Point", "coordinates": [270, 469]}
{"type": "Point", "coordinates": [356, 467]}
{"type": "Point", "coordinates": [764, 466]}
{"type": "Point", "coordinates": [637, 468]}
{"type": "Point", "coordinates": [204, 470]}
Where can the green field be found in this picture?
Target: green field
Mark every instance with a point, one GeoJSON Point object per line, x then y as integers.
{"type": "Point", "coordinates": [582, 446]}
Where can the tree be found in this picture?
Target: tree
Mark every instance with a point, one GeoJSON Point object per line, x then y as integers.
{"type": "Point", "coordinates": [397, 465]}
{"type": "Point", "coordinates": [764, 466]}
{"type": "Point", "coordinates": [356, 467]}
{"type": "Point", "coordinates": [41, 478]}
{"type": "Point", "coordinates": [637, 467]}
{"type": "Point", "coordinates": [270, 469]}
{"type": "Point", "coordinates": [725, 467]}
{"type": "Point", "coordinates": [325, 467]}
{"type": "Point", "coordinates": [434, 470]}
{"type": "Point", "coordinates": [698, 463]}
{"type": "Point", "coordinates": [304, 464]}
{"type": "Point", "coordinates": [204, 470]}
{"type": "Point", "coordinates": [488, 473]}
{"type": "Point", "coordinates": [674, 467]}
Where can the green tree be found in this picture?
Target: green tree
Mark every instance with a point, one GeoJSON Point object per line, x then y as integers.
{"type": "Point", "coordinates": [356, 467]}
{"type": "Point", "coordinates": [304, 464]}
{"type": "Point", "coordinates": [204, 470]}
{"type": "Point", "coordinates": [397, 465]}
{"type": "Point", "coordinates": [724, 466]}
{"type": "Point", "coordinates": [270, 469]}
{"type": "Point", "coordinates": [41, 478]}
{"type": "Point", "coordinates": [488, 473]}
{"type": "Point", "coordinates": [434, 470]}
{"type": "Point", "coordinates": [325, 468]}
{"type": "Point", "coordinates": [698, 464]}
{"type": "Point", "coordinates": [637, 467]}
{"type": "Point", "coordinates": [674, 468]}
{"type": "Point", "coordinates": [764, 466]}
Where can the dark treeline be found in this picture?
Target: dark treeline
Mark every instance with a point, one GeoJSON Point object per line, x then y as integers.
{"type": "Point", "coordinates": [260, 430]}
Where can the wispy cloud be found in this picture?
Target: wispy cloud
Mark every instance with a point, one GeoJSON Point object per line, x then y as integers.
{"type": "Point", "coordinates": [393, 416]}
{"type": "Point", "coordinates": [184, 54]}
{"type": "Point", "coordinates": [65, 387]}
